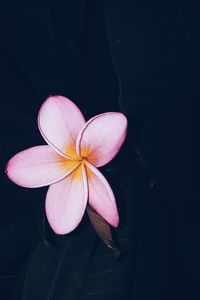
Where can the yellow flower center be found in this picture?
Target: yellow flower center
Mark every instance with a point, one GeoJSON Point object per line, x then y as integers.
{"type": "Point", "coordinates": [76, 160]}
{"type": "Point", "coordinates": [85, 153]}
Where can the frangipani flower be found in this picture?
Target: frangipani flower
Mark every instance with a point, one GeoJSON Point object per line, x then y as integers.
{"type": "Point", "coordinates": [69, 161]}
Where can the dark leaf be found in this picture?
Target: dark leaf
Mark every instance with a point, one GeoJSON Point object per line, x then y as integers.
{"type": "Point", "coordinates": [48, 236]}
{"type": "Point", "coordinates": [103, 230]}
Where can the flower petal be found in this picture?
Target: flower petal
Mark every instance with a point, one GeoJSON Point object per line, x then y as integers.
{"type": "Point", "coordinates": [60, 122]}
{"type": "Point", "coordinates": [66, 201]}
{"type": "Point", "coordinates": [38, 166]}
{"type": "Point", "coordinates": [101, 196]}
{"type": "Point", "coordinates": [101, 138]}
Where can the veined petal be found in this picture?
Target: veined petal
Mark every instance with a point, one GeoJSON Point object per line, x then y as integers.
{"type": "Point", "coordinates": [66, 201]}
{"type": "Point", "coordinates": [38, 166]}
{"type": "Point", "coordinates": [60, 122]}
{"type": "Point", "coordinates": [101, 138]}
{"type": "Point", "coordinates": [101, 196]}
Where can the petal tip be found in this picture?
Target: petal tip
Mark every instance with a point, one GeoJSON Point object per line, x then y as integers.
{"type": "Point", "coordinates": [115, 224]}
{"type": "Point", "coordinates": [59, 228]}
{"type": "Point", "coordinates": [60, 231]}
{"type": "Point", "coordinates": [114, 220]}
{"type": "Point", "coordinates": [8, 168]}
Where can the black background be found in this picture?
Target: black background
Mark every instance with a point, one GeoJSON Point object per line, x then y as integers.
{"type": "Point", "coordinates": [153, 77]}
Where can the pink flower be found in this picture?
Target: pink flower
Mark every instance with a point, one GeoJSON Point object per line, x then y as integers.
{"type": "Point", "coordinates": [69, 162]}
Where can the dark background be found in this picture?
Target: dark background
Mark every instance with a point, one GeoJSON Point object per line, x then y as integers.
{"type": "Point", "coordinates": [156, 47]}
{"type": "Point", "coordinates": [156, 50]}
{"type": "Point", "coordinates": [153, 77]}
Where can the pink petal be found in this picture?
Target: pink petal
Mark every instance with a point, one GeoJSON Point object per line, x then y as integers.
{"type": "Point", "coordinates": [101, 138]}
{"type": "Point", "coordinates": [101, 196]}
{"type": "Point", "coordinates": [60, 122]}
{"type": "Point", "coordinates": [66, 201]}
{"type": "Point", "coordinates": [38, 166]}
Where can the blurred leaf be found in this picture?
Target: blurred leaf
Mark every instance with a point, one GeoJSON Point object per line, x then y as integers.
{"type": "Point", "coordinates": [103, 230]}
{"type": "Point", "coordinates": [48, 236]}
